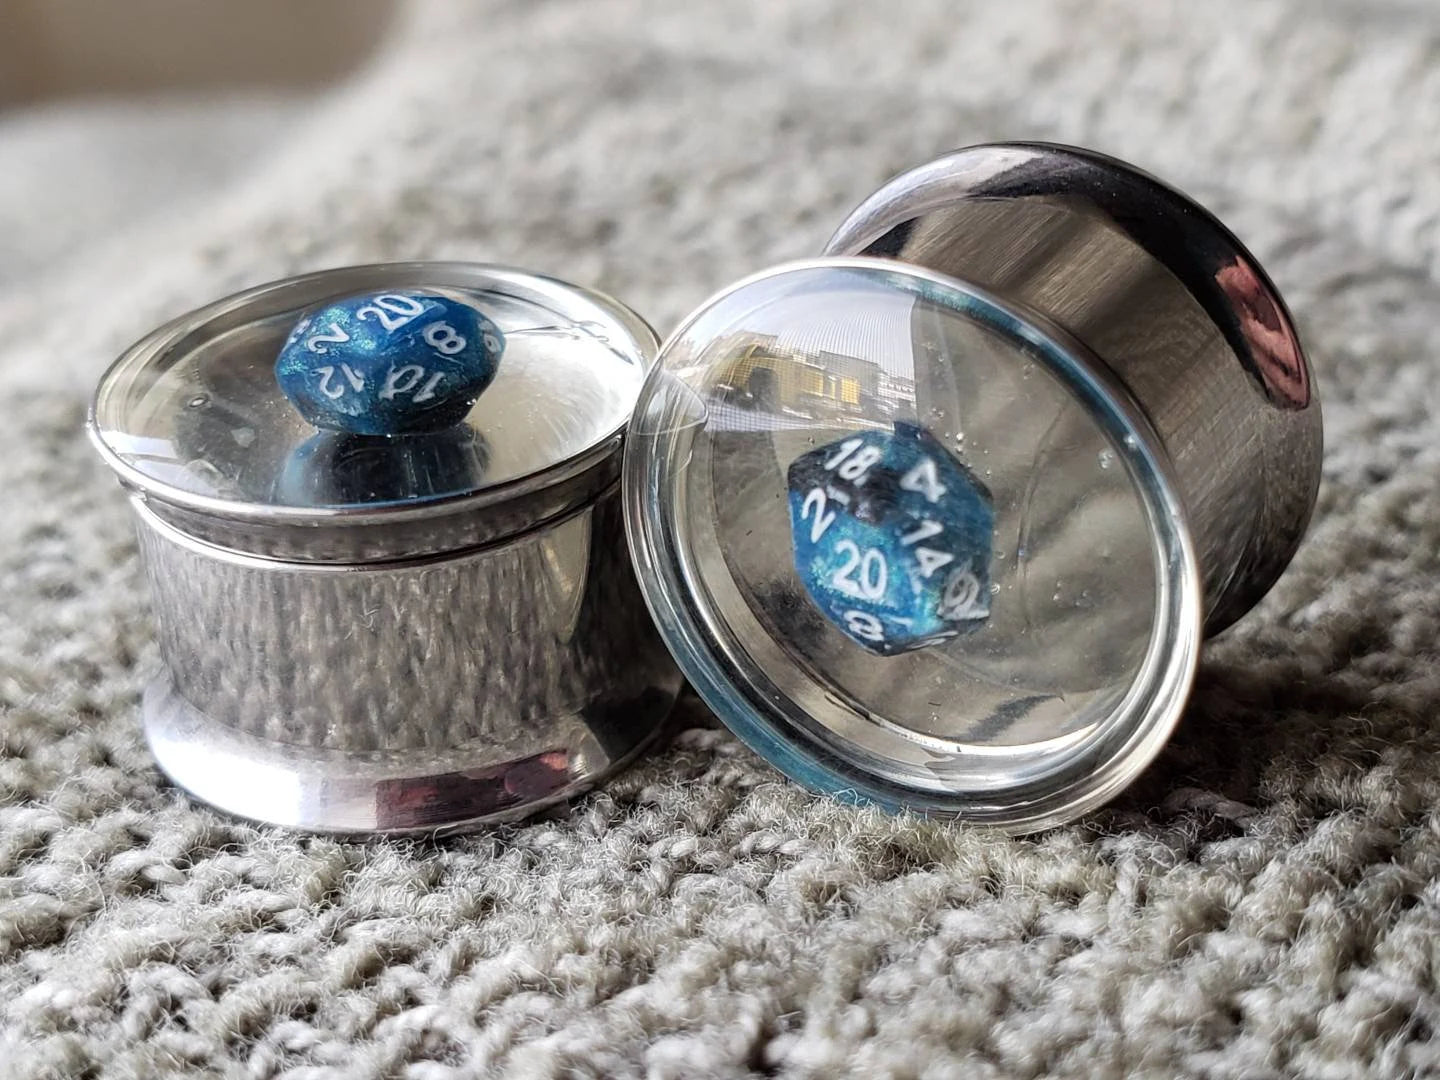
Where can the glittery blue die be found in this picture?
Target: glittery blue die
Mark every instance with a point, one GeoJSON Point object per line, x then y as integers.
{"type": "Point", "coordinates": [392, 363]}
{"type": "Point", "coordinates": [892, 538]}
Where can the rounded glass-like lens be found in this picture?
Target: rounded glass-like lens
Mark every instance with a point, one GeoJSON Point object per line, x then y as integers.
{"type": "Point", "coordinates": [199, 413]}
{"type": "Point", "coordinates": [911, 545]}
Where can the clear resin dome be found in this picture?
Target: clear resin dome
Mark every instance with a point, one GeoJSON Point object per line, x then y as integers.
{"type": "Point", "coordinates": [911, 545]}
{"type": "Point", "coordinates": [194, 413]}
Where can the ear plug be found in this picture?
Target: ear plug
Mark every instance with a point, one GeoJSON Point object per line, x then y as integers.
{"type": "Point", "coordinates": [940, 520]}
{"type": "Point", "coordinates": [420, 617]}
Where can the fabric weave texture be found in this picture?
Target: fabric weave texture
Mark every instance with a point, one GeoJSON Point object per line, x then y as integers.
{"type": "Point", "coordinates": [1264, 902]}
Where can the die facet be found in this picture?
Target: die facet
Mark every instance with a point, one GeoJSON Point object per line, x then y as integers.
{"type": "Point", "coordinates": [892, 538]}
{"type": "Point", "coordinates": [393, 363]}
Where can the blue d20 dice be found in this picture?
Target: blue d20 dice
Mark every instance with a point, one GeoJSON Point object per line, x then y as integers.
{"type": "Point", "coordinates": [892, 538]}
{"type": "Point", "coordinates": [389, 363]}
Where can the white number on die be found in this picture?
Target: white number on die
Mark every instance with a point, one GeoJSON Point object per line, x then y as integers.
{"type": "Point", "coordinates": [961, 599]}
{"type": "Point", "coordinates": [392, 310]}
{"type": "Point", "coordinates": [854, 460]}
{"type": "Point", "coordinates": [824, 518]}
{"type": "Point", "coordinates": [848, 447]}
{"type": "Point", "coordinates": [443, 338]}
{"type": "Point", "coordinates": [922, 531]}
{"type": "Point", "coordinates": [925, 479]}
{"type": "Point", "coordinates": [856, 468]}
{"type": "Point", "coordinates": [405, 379]}
{"type": "Point", "coordinates": [864, 575]}
{"type": "Point", "coordinates": [428, 390]}
{"type": "Point", "coordinates": [316, 342]}
{"type": "Point", "coordinates": [931, 560]}
{"type": "Point", "coordinates": [863, 624]}
{"type": "Point", "coordinates": [353, 377]}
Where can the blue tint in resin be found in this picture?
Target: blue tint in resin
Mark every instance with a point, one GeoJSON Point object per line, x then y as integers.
{"type": "Point", "coordinates": [892, 538]}
{"type": "Point", "coordinates": [389, 363]}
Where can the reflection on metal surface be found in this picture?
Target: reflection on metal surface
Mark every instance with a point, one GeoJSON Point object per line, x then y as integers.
{"type": "Point", "coordinates": [1272, 348]}
{"type": "Point", "coordinates": [1177, 308]}
{"type": "Point", "coordinates": [401, 655]}
{"type": "Point", "coordinates": [504, 652]}
{"type": "Point", "coordinates": [443, 790]}
{"type": "Point", "coordinates": [413, 802]}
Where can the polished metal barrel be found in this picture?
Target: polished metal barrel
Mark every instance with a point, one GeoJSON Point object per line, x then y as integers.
{"type": "Point", "coordinates": [1165, 297]}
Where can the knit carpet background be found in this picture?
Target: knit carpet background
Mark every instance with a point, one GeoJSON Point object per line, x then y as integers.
{"type": "Point", "coordinates": [1264, 902]}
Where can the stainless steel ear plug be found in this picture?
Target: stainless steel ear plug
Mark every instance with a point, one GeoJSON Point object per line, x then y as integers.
{"type": "Point", "coordinates": [940, 520]}
{"type": "Point", "coordinates": [378, 510]}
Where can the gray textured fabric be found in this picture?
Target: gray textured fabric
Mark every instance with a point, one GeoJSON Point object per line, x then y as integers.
{"type": "Point", "coordinates": [1264, 902]}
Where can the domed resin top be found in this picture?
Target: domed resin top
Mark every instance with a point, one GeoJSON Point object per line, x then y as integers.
{"type": "Point", "coordinates": [396, 386]}
{"type": "Point", "coordinates": [910, 545]}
